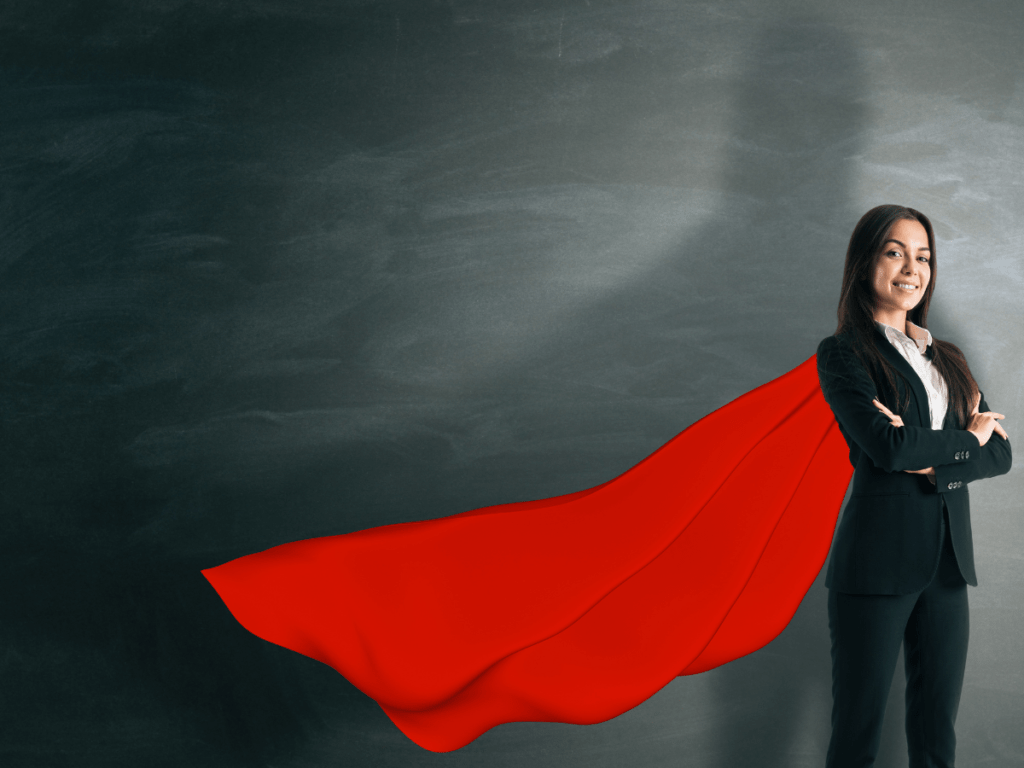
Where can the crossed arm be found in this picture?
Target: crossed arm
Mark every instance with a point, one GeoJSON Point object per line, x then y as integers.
{"type": "Point", "coordinates": [993, 461]}
{"type": "Point", "coordinates": [948, 454]}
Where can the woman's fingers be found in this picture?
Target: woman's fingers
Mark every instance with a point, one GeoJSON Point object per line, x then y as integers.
{"type": "Point", "coordinates": [999, 428]}
{"type": "Point", "coordinates": [982, 425]}
{"type": "Point", "coordinates": [896, 421]}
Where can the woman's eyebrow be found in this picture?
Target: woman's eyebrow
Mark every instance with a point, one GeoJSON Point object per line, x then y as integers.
{"type": "Point", "coordinates": [904, 247]}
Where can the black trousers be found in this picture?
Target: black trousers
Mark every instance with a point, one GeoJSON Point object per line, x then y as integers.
{"type": "Point", "coordinates": [866, 632]}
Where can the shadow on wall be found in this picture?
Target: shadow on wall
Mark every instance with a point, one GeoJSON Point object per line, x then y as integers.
{"type": "Point", "coordinates": [779, 237]}
{"type": "Point", "coordinates": [800, 121]}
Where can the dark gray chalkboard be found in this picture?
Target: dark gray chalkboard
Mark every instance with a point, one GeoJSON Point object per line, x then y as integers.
{"type": "Point", "coordinates": [272, 270]}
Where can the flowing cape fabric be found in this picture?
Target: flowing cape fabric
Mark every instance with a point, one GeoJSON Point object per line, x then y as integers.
{"type": "Point", "coordinates": [575, 608]}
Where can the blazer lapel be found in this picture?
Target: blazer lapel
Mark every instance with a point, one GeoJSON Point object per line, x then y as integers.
{"type": "Point", "coordinates": [916, 386]}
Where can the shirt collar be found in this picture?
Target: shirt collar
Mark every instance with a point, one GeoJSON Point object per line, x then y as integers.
{"type": "Point", "coordinates": [919, 336]}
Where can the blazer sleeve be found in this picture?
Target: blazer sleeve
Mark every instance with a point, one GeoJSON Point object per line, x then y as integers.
{"type": "Point", "coordinates": [849, 391]}
{"type": "Point", "coordinates": [993, 458]}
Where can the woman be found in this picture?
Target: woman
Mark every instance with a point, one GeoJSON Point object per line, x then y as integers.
{"type": "Point", "coordinates": [919, 431]}
{"type": "Point", "coordinates": [578, 608]}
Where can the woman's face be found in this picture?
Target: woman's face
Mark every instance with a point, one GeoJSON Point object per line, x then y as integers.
{"type": "Point", "coordinates": [902, 270]}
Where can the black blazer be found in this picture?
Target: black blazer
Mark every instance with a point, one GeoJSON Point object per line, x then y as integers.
{"type": "Point", "coordinates": [889, 540]}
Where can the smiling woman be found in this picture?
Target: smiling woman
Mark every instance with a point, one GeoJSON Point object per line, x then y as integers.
{"type": "Point", "coordinates": [903, 272]}
{"type": "Point", "coordinates": [919, 431]}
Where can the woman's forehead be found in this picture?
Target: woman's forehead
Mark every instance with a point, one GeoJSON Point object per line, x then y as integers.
{"type": "Point", "coordinates": [909, 232]}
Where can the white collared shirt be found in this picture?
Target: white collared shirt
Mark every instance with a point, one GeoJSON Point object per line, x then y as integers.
{"type": "Point", "coordinates": [912, 348]}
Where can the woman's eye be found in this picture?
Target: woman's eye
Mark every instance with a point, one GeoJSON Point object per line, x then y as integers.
{"type": "Point", "coordinates": [896, 254]}
{"type": "Point", "coordinates": [925, 259]}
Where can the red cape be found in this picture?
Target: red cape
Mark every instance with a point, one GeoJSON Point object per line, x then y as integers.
{"type": "Point", "coordinates": [576, 608]}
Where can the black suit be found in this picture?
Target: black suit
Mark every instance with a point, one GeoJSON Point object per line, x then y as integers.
{"type": "Point", "coordinates": [901, 559]}
{"type": "Point", "coordinates": [888, 542]}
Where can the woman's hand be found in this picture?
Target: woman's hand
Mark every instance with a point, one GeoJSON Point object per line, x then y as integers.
{"type": "Point", "coordinates": [897, 421]}
{"type": "Point", "coordinates": [982, 425]}
{"type": "Point", "coordinates": [928, 472]}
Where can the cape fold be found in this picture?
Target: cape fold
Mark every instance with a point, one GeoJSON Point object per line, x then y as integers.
{"type": "Point", "coordinates": [575, 608]}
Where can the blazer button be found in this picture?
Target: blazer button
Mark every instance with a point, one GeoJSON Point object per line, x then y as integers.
{"type": "Point", "coordinates": [950, 486]}
{"type": "Point", "coordinates": [956, 455]}
{"type": "Point", "coordinates": [967, 454]}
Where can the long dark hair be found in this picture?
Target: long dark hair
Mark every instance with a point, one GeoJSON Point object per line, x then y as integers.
{"type": "Point", "coordinates": [857, 303]}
